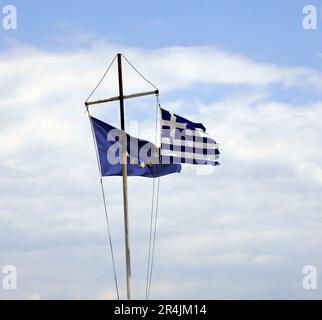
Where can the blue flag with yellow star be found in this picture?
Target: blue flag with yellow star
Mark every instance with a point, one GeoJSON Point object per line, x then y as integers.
{"type": "Point", "coordinates": [142, 157]}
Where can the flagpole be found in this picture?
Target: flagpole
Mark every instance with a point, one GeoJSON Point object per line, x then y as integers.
{"type": "Point", "coordinates": [123, 97]}
{"type": "Point", "coordinates": [124, 173]}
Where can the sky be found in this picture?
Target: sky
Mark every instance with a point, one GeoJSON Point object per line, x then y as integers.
{"type": "Point", "coordinates": [247, 70]}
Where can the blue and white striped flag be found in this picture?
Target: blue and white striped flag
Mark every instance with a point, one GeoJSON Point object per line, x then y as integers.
{"type": "Point", "coordinates": [183, 141]}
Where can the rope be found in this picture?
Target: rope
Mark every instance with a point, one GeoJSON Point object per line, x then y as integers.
{"type": "Point", "coordinates": [110, 239]}
{"type": "Point", "coordinates": [104, 75]}
{"type": "Point", "coordinates": [154, 217]}
{"type": "Point", "coordinates": [154, 237]}
{"type": "Point", "coordinates": [139, 73]}
{"type": "Point", "coordinates": [105, 209]}
{"type": "Point", "coordinates": [150, 242]}
{"type": "Point", "coordinates": [156, 209]}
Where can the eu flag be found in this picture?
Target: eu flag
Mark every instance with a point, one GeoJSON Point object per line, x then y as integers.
{"type": "Point", "coordinates": [142, 157]}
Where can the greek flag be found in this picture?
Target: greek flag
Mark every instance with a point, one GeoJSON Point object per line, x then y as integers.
{"type": "Point", "coordinates": [183, 141]}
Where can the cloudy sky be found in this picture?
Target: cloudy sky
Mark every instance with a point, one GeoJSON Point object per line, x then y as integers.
{"type": "Point", "coordinates": [246, 69]}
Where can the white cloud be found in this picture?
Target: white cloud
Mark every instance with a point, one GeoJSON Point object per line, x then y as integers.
{"type": "Point", "coordinates": [245, 231]}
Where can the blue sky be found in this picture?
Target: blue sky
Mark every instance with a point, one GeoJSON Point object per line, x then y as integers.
{"type": "Point", "coordinates": [264, 31]}
{"type": "Point", "coordinates": [246, 69]}
{"type": "Point", "coordinates": [270, 30]}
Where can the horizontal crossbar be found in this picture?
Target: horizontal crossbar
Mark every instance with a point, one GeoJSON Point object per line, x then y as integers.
{"type": "Point", "coordinates": [131, 96]}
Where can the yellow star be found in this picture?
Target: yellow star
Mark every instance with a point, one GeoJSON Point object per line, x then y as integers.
{"type": "Point", "coordinates": [155, 154]}
{"type": "Point", "coordinates": [150, 163]}
{"type": "Point", "coordinates": [142, 165]}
